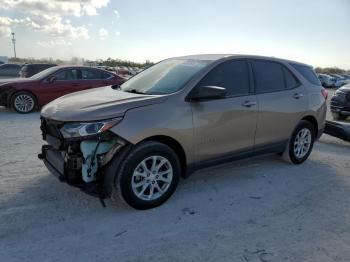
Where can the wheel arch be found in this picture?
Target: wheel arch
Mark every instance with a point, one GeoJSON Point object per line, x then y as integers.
{"type": "Point", "coordinates": [313, 121]}
{"type": "Point", "coordinates": [174, 145]}
{"type": "Point", "coordinates": [9, 101]}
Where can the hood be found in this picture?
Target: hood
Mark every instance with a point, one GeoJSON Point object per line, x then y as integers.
{"type": "Point", "coordinates": [14, 80]}
{"type": "Point", "coordinates": [96, 104]}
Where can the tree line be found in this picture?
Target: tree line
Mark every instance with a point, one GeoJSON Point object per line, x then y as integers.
{"type": "Point", "coordinates": [81, 61]}
{"type": "Point", "coordinates": [331, 70]}
{"type": "Point", "coordinates": [113, 62]}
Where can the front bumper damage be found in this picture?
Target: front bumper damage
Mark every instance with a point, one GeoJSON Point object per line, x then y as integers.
{"type": "Point", "coordinates": [78, 162]}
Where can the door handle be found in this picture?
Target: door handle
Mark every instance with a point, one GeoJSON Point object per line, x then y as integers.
{"type": "Point", "coordinates": [298, 95]}
{"type": "Point", "coordinates": [249, 103]}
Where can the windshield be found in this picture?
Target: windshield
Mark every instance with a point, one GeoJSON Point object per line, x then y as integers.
{"type": "Point", "coordinates": [165, 77]}
{"type": "Point", "coordinates": [44, 73]}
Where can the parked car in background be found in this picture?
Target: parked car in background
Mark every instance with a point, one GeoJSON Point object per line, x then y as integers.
{"type": "Point", "coordinates": [9, 70]}
{"type": "Point", "coordinates": [26, 94]}
{"type": "Point", "coordinates": [122, 70]}
{"type": "Point", "coordinates": [29, 70]}
{"type": "Point", "coordinates": [4, 59]}
{"type": "Point", "coordinates": [341, 82]}
{"type": "Point", "coordinates": [178, 116]}
{"type": "Point", "coordinates": [340, 103]}
{"type": "Point", "coordinates": [326, 80]}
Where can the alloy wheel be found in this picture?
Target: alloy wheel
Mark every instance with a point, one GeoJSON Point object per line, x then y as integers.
{"type": "Point", "coordinates": [152, 178]}
{"type": "Point", "coordinates": [302, 143]}
{"type": "Point", "coordinates": [24, 103]}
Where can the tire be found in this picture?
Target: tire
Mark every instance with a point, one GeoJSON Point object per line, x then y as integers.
{"type": "Point", "coordinates": [132, 179]}
{"type": "Point", "coordinates": [292, 154]}
{"type": "Point", "coordinates": [23, 102]}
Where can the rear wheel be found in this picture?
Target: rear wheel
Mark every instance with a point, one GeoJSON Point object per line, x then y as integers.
{"type": "Point", "coordinates": [148, 175]}
{"type": "Point", "coordinates": [300, 144]}
{"type": "Point", "coordinates": [23, 102]}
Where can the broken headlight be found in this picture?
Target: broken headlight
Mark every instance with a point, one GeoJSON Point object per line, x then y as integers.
{"type": "Point", "coordinates": [74, 130]}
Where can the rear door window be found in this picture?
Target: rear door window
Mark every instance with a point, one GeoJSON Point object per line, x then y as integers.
{"type": "Point", "coordinates": [90, 74]}
{"type": "Point", "coordinates": [268, 76]}
{"type": "Point", "coordinates": [290, 79]}
{"type": "Point", "coordinates": [105, 75]}
{"type": "Point", "coordinates": [308, 73]}
{"type": "Point", "coordinates": [67, 75]}
{"type": "Point", "coordinates": [232, 75]}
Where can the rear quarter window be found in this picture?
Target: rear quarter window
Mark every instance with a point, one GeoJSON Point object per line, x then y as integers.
{"type": "Point", "coordinates": [308, 73]}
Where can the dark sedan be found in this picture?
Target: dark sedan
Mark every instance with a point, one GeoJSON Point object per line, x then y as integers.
{"type": "Point", "coordinates": [26, 94]}
{"type": "Point", "coordinates": [340, 103]}
{"type": "Point", "coordinates": [9, 70]}
{"type": "Point", "coordinates": [29, 70]}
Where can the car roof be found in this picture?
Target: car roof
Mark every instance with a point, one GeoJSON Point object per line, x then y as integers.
{"type": "Point", "coordinates": [10, 64]}
{"type": "Point", "coordinates": [214, 57]}
{"type": "Point", "coordinates": [40, 64]}
{"type": "Point", "coordinates": [81, 67]}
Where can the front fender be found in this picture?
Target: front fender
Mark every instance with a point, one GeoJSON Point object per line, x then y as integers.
{"type": "Point", "coordinates": [165, 119]}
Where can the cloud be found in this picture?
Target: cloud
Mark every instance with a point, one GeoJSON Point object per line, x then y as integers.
{"type": "Point", "coordinates": [103, 33]}
{"type": "Point", "coordinates": [50, 16]}
{"type": "Point", "coordinates": [55, 7]}
{"type": "Point", "coordinates": [54, 43]}
{"type": "Point", "coordinates": [5, 31]}
{"type": "Point", "coordinates": [117, 14]}
{"type": "Point", "coordinates": [51, 25]}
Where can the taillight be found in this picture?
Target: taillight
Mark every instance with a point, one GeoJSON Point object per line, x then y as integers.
{"type": "Point", "coordinates": [324, 93]}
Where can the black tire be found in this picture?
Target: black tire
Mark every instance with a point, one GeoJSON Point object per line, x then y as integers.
{"type": "Point", "coordinates": [31, 98]}
{"type": "Point", "coordinates": [119, 173]}
{"type": "Point", "coordinates": [289, 154]}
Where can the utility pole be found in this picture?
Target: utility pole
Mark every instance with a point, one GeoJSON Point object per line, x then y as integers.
{"type": "Point", "coordinates": [14, 43]}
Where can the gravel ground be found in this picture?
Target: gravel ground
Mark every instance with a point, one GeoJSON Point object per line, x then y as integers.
{"type": "Point", "coordinates": [259, 209]}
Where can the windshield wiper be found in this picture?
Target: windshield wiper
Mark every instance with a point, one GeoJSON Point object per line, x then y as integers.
{"type": "Point", "coordinates": [116, 87]}
{"type": "Point", "coordinates": [134, 91]}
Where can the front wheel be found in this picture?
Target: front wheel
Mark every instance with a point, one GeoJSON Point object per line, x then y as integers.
{"type": "Point", "coordinates": [23, 102]}
{"type": "Point", "coordinates": [300, 144]}
{"type": "Point", "coordinates": [148, 175]}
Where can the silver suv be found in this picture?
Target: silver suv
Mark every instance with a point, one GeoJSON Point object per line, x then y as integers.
{"type": "Point", "coordinates": [136, 140]}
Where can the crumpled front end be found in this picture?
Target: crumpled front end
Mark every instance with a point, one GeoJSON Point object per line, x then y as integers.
{"type": "Point", "coordinates": [79, 161]}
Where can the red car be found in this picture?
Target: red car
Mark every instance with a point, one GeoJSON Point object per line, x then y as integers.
{"type": "Point", "coordinates": [25, 95]}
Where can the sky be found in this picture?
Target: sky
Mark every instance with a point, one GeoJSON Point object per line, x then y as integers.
{"type": "Point", "coordinates": [316, 32]}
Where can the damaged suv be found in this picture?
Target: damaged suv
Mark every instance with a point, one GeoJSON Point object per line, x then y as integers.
{"type": "Point", "coordinates": [136, 140]}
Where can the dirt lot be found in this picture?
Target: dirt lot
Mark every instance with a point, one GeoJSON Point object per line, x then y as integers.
{"type": "Point", "coordinates": [260, 209]}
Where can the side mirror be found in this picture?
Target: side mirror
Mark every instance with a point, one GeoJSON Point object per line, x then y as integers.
{"type": "Point", "coordinates": [51, 79]}
{"type": "Point", "coordinates": [206, 93]}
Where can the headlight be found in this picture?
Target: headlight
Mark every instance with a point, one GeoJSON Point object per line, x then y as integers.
{"type": "Point", "coordinates": [73, 130]}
